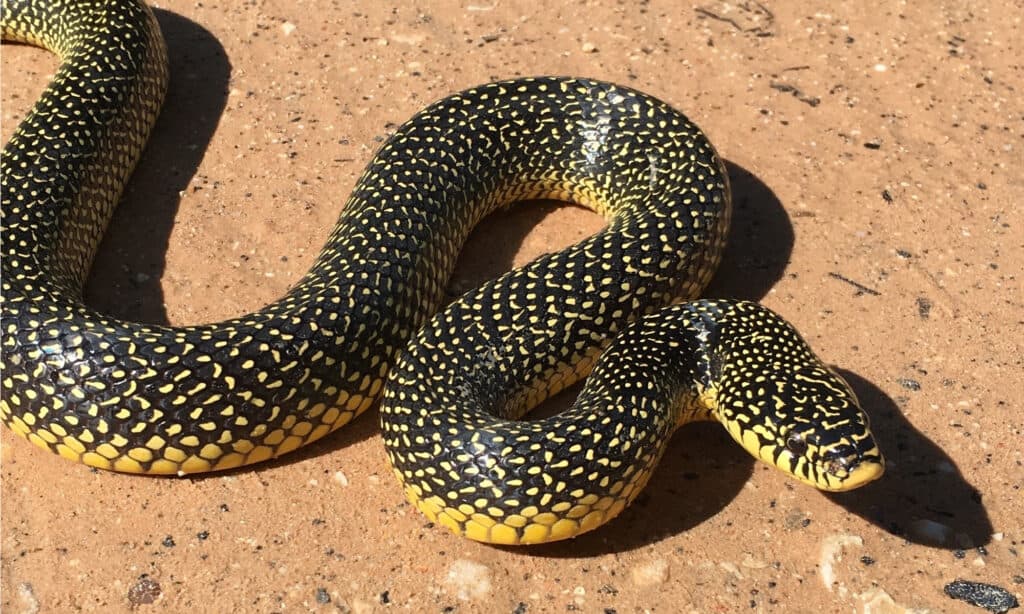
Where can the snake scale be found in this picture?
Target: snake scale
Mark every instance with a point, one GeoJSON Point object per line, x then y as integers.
{"type": "Point", "coordinates": [367, 320]}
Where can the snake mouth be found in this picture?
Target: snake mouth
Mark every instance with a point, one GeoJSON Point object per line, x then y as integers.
{"type": "Point", "coordinates": [847, 472]}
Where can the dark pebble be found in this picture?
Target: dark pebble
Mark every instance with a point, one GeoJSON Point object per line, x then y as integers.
{"type": "Point", "coordinates": [909, 384]}
{"type": "Point", "coordinates": [520, 609]}
{"type": "Point", "coordinates": [795, 520]}
{"type": "Point", "coordinates": [146, 590]}
{"type": "Point", "coordinates": [867, 560]}
{"type": "Point", "coordinates": [168, 542]}
{"type": "Point", "coordinates": [873, 145]}
{"type": "Point", "coordinates": [988, 596]}
{"type": "Point", "coordinates": [924, 307]}
{"type": "Point", "coordinates": [322, 596]}
{"type": "Point", "coordinates": [385, 597]}
{"type": "Point", "coordinates": [203, 534]}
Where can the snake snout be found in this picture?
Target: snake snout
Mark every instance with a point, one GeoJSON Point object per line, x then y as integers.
{"type": "Point", "coordinates": [851, 466]}
{"type": "Point", "coordinates": [839, 462]}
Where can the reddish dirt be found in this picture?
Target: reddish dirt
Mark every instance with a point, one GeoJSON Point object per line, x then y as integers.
{"type": "Point", "coordinates": [876, 162]}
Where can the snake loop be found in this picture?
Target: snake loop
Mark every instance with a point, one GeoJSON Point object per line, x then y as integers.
{"type": "Point", "coordinates": [158, 399]}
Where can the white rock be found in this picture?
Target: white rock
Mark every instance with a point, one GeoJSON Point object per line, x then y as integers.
{"type": "Point", "coordinates": [936, 532]}
{"type": "Point", "coordinates": [469, 579]}
{"type": "Point", "coordinates": [651, 573]}
{"type": "Point", "coordinates": [876, 601]}
{"type": "Point", "coordinates": [28, 599]}
{"type": "Point", "coordinates": [832, 551]}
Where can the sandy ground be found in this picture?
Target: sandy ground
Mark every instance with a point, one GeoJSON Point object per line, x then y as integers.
{"type": "Point", "coordinates": [876, 160]}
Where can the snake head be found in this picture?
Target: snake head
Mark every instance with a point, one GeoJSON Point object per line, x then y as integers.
{"type": "Point", "coordinates": [786, 407]}
{"type": "Point", "coordinates": [810, 425]}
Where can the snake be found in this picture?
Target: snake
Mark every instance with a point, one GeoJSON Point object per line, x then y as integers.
{"type": "Point", "coordinates": [368, 321]}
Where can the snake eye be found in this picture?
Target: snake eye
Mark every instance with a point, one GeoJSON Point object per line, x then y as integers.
{"type": "Point", "coordinates": [795, 443]}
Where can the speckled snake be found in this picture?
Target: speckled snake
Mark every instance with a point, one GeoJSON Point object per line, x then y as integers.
{"type": "Point", "coordinates": [365, 319]}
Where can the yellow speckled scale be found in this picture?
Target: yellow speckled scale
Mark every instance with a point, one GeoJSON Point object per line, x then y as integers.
{"type": "Point", "coordinates": [155, 399]}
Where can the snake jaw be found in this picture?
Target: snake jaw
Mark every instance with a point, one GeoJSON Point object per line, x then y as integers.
{"type": "Point", "coordinates": [847, 470]}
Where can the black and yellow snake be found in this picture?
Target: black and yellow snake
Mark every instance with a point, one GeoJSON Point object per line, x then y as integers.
{"type": "Point", "coordinates": [157, 399]}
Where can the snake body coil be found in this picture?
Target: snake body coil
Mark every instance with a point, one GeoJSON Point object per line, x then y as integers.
{"type": "Point", "coordinates": [157, 399]}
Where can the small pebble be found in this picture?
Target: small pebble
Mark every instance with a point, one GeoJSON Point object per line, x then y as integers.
{"type": "Point", "coordinates": [935, 532]}
{"type": "Point", "coordinates": [287, 27]}
{"type": "Point", "coordinates": [832, 548]}
{"type": "Point", "coordinates": [651, 573]}
{"type": "Point", "coordinates": [146, 590]}
{"type": "Point", "coordinates": [27, 598]}
{"type": "Point", "coordinates": [909, 384]}
{"type": "Point", "coordinates": [588, 48]}
{"type": "Point", "coordinates": [751, 563]}
{"type": "Point", "coordinates": [924, 307]}
{"type": "Point", "coordinates": [795, 520]}
{"type": "Point", "coordinates": [322, 596]}
{"type": "Point", "coordinates": [876, 601]}
{"type": "Point", "coordinates": [987, 596]}
{"type": "Point", "coordinates": [469, 579]}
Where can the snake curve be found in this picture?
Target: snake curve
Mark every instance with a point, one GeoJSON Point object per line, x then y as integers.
{"type": "Point", "coordinates": [367, 318]}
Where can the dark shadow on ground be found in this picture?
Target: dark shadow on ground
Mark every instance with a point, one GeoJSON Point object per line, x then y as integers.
{"type": "Point", "coordinates": [760, 240]}
{"type": "Point", "coordinates": [125, 277]}
{"type": "Point", "coordinates": [922, 497]}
